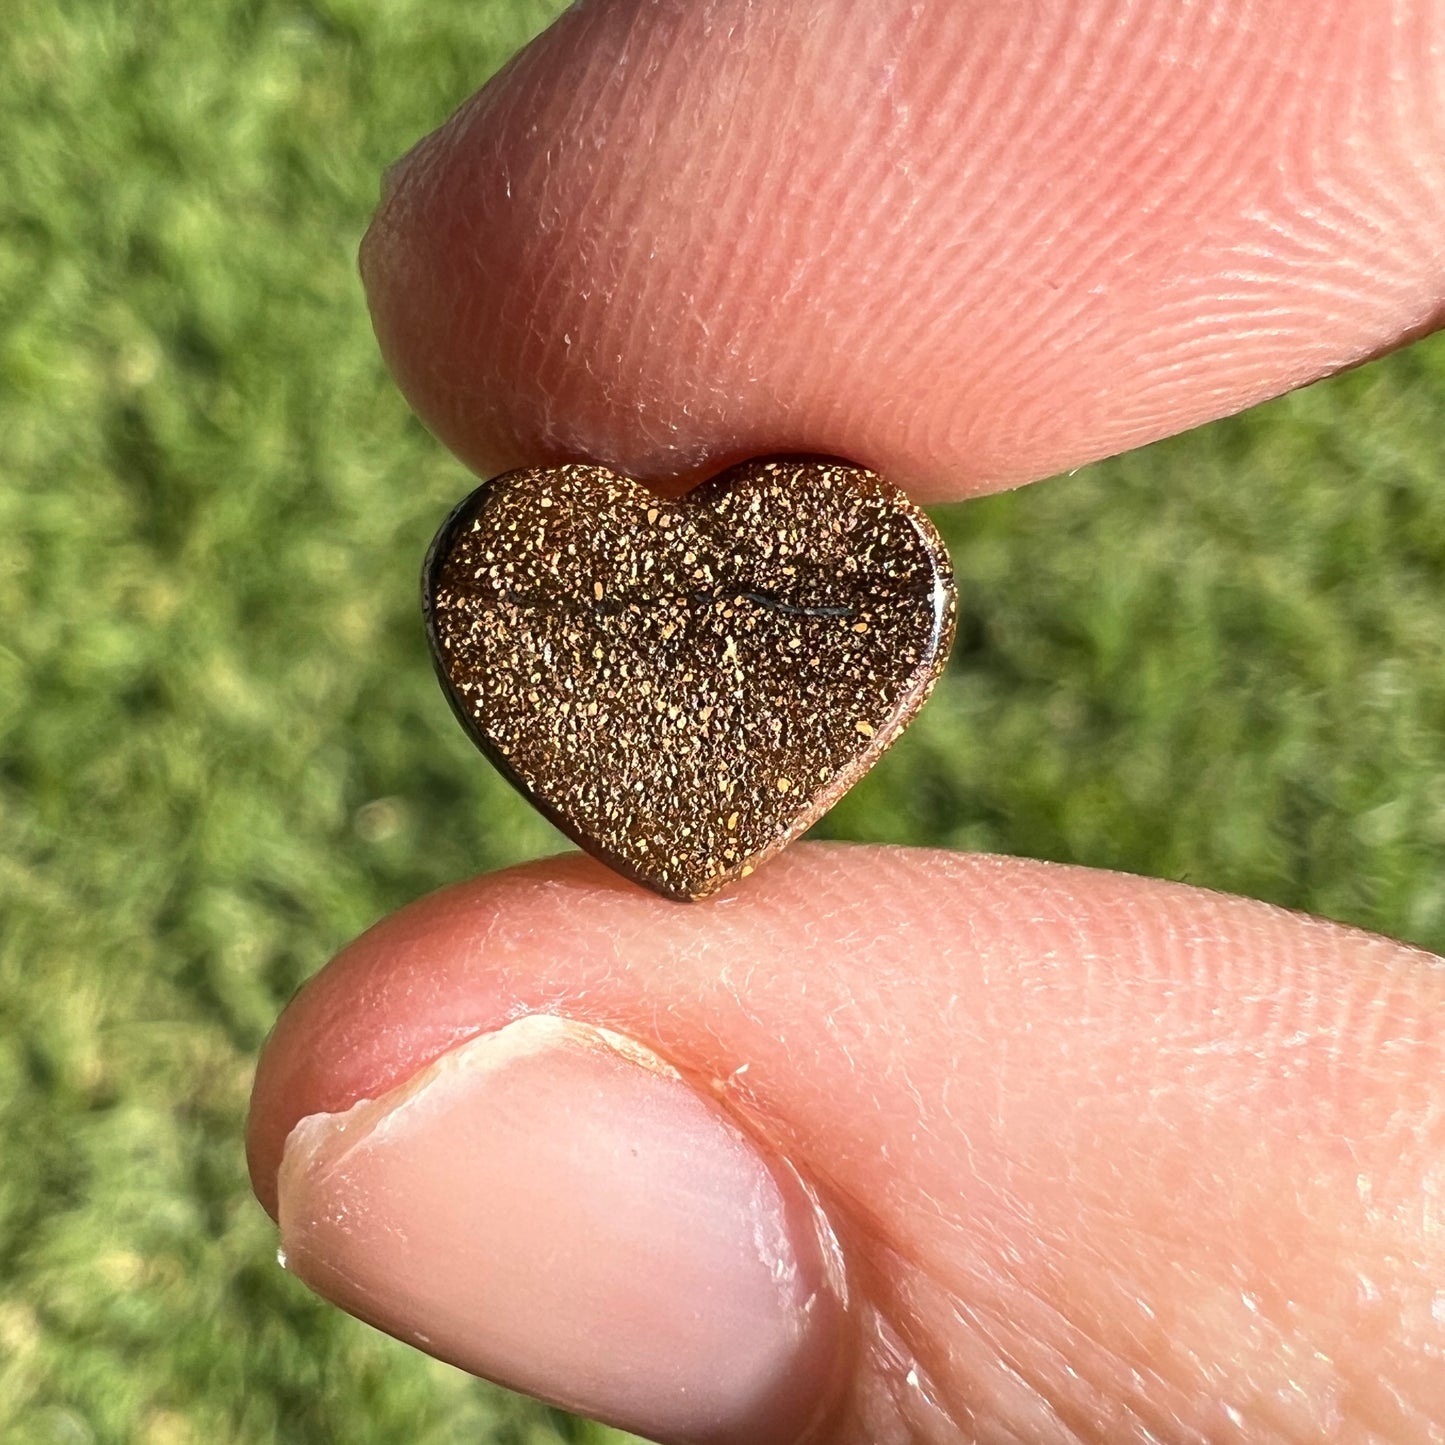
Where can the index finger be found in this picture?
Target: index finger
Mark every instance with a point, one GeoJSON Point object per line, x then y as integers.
{"type": "Point", "coordinates": [964, 245]}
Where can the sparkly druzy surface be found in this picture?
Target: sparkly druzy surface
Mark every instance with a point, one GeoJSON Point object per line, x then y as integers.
{"type": "Point", "coordinates": [684, 686]}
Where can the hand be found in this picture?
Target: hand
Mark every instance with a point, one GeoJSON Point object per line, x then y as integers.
{"type": "Point", "coordinates": [894, 1144]}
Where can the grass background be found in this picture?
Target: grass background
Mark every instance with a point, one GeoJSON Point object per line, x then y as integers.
{"type": "Point", "coordinates": [222, 752]}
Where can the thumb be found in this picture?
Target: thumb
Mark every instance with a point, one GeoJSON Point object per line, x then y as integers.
{"type": "Point", "coordinates": [964, 244]}
{"type": "Point", "coordinates": [893, 1144]}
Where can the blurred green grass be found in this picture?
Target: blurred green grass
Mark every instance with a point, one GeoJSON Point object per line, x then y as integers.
{"type": "Point", "coordinates": [222, 752]}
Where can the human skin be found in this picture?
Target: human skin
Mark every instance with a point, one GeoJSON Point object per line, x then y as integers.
{"type": "Point", "coordinates": [1024, 1153]}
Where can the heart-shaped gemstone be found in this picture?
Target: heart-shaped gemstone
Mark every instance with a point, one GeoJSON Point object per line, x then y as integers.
{"type": "Point", "coordinates": [684, 686]}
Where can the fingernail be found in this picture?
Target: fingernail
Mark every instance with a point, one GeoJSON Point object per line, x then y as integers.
{"type": "Point", "coordinates": [555, 1208]}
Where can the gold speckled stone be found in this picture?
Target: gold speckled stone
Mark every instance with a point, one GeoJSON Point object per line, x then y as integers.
{"type": "Point", "coordinates": [685, 686]}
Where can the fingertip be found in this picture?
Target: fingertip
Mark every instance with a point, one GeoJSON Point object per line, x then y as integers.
{"type": "Point", "coordinates": [963, 246]}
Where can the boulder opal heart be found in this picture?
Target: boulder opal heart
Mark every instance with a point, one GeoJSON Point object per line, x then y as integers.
{"type": "Point", "coordinates": [684, 686]}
